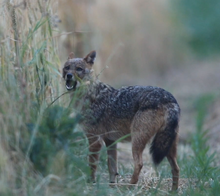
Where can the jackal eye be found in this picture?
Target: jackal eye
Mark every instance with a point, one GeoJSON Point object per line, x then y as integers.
{"type": "Point", "coordinates": [67, 67]}
{"type": "Point", "coordinates": [79, 69]}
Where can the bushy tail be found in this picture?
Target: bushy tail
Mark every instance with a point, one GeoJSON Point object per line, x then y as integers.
{"type": "Point", "coordinates": [164, 139]}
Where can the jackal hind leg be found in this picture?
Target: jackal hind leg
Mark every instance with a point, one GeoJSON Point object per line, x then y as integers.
{"type": "Point", "coordinates": [95, 145]}
{"type": "Point", "coordinates": [145, 124]}
{"type": "Point", "coordinates": [138, 145]}
{"type": "Point", "coordinates": [174, 166]}
{"type": "Point", "coordinates": [112, 159]}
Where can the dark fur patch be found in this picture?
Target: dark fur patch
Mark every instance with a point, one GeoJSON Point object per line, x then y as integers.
{"type": "Point", "coordinates": [155, 97]}
{"type": "Point", "coordinates": [163, 141]}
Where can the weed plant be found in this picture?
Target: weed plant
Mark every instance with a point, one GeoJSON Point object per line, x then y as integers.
{"type": "Point", "coordinates": [201, 169]}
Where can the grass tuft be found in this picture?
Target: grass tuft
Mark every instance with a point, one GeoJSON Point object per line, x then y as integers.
{"type": "Point", "coordinates": [201, 169]}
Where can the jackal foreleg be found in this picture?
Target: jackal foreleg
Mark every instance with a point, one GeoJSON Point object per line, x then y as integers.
{"type": "Point", "coordinates": [94, 148]}
{"type": "Point", "coordinates": [112, 159]}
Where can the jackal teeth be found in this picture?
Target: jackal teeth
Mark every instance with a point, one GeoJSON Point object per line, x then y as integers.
{"type": "Point", "coordinates": [71, 85]}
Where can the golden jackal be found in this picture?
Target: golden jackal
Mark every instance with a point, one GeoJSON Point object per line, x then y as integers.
{"type": "Point", "coordinates": [142, 112]}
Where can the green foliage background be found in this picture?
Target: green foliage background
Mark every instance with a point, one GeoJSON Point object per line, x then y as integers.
{"type": "Point", "coordinates": [199, 19]}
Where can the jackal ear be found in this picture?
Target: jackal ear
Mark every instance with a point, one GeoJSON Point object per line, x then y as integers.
{"type": "Point", "coordinates": [71, 56]}
{"type": "Point", "coordinates": [90, 58]}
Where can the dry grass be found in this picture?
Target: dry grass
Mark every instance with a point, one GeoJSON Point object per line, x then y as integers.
{"type": "Point", "coordinates": [132, 37]}
{"type": "Point", "coordinates": [135, 37]}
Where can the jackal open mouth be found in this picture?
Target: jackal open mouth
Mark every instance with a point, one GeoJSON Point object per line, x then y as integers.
{"type": "Point", "coordinates": [71, 84]}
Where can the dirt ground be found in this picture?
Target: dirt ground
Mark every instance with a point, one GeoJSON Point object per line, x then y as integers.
{"type": "Point", "coordinates": [149, 178]}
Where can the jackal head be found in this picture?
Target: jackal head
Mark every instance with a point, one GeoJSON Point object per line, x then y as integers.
{"type": "Point", "coordinates": [77, 70]}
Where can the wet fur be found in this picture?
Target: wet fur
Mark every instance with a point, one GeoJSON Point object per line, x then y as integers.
{"type": "Point", "coordinates": [138, 113]}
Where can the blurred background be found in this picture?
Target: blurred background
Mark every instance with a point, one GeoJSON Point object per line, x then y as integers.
{"type": "Point", "coordinates": [171, 44]}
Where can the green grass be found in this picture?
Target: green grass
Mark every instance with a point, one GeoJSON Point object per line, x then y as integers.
{"type": "Point", "coordinates": [42, 151]}
{"type": "Point", "coordinates": [202, 168]}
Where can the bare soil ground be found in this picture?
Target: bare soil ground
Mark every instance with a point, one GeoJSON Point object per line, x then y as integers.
{"type": "Point", "coordinates": [149, 177]}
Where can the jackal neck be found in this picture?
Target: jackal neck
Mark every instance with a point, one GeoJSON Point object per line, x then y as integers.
{"type": "Point", "coordinates": [89, 92]}
{"type": "Point", "coordinates": [98, 90]}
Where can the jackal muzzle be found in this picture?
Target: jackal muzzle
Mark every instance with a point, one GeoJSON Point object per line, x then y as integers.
{"type": "Point", "coordinates": [70, 82]}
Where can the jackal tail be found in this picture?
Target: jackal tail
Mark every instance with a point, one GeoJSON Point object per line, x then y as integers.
{"type": "Point", "coordinates": [164, 139]}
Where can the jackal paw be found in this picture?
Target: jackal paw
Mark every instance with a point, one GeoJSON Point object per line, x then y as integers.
{"type": "Point", "coordinates": [91, 180]}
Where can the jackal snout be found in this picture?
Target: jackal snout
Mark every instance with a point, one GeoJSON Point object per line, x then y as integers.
{"type": "Point", "coordinates": [69, 76]}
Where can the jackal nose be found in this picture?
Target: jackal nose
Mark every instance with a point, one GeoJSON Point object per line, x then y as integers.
{"type": "Point", "coordinates": [69, 76]}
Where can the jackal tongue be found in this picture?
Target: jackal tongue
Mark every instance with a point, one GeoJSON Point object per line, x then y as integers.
{"type": "Point", "coordinates": [70, 84]}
